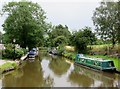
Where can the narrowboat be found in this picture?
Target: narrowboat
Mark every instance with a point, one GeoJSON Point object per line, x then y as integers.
{"type": "Point", "coordinates": [96, 63]}
{"type": "Point", "coordinates": [33, 53]}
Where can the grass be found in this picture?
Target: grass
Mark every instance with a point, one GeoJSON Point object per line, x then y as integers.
{"type": "Point", "coordinates": [70, 55]}
{"type": "Point", "coordinates": [105, 48]}
{"type": "Point", "coordinates": [7, 65]}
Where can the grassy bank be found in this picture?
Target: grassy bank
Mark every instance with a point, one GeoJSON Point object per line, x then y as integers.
{"type": "Point", "coordinates": [8, 66]}
{"type": "Point", "coordinates": [105, 49]}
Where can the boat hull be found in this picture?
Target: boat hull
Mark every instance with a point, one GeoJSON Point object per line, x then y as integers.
{"type": "Point", "coordinates": [113, 69]}
{"type": "Point", "coordinates": [31, 56]}
{"type": "Point", "coordinates": [33, 53]}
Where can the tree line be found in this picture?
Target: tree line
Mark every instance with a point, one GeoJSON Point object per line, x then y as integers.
{"type": "Point", "coordinates": [106, 19]}
{"type": "Point", "coordinates": [26, 22]}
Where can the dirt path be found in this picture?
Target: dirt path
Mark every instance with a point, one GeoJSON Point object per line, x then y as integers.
{"type": "Point", "coordinates": [4, 61]}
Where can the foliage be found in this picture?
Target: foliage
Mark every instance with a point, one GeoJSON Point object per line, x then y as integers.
{"type": "Point", "coordinates": [89, 35]}
{"type": "Point", "coordinates": [57, 33]}
{"type": "Point", "coordinates": [59, 40]}
{"type": "Point", "coordinates": [79, 42]}
{"type": "Point", "coordinates": [70, 48]}
{"type": "Point", "coordinates": [25, 23]}
{"type": "Point", "coordinates": [60, 49]}
{"type": "Point", "coordinates": [105, 49]}
{"type": "Point", "coordinates": [99, 42]}
{"type": "Point", "coordinates": [107, 22]}
{"type": "Point", "coordinates": [82, 38]}
{"type": "Point", "coordinates": [70, 55]}
{"type": "Point", "coordinates": [10, 53]}
{"type": "Point", "coordinates": [118, 21]}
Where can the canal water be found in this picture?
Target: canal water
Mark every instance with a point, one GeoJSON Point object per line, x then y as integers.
{"type": "Point", "coordinates": [55, 71]}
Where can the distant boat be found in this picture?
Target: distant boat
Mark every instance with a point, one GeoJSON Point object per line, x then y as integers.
{"type": "Point", "coordinates": [33, 53]}
{"type": "Point", "coordinates": [104, 65]}
{"type": "Point", "coordinates": [53, 51]}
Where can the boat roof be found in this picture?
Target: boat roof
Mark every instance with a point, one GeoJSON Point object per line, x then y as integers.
{"type": "Point", "coordinates": [96, 59]}
{"type": "Point", "coordinates": [33, 48]}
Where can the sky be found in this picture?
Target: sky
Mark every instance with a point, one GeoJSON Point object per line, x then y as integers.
{"type": "Point", "coordinates": [76, 14]}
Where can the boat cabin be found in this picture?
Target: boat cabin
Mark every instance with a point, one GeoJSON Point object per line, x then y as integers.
{"type": "Point", "coordinates": [96, 63]}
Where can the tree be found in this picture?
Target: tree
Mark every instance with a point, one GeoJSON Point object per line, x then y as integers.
{"type": "Point", "coordinates": [79, 41]}
{"type": "Point", "coordinates": [118, 21]}
{"type": "Point", "coordinates": [59, 31]}
{"type": "Point", "coordinates": [59, 40]}
{"type": "Point", "coordinates": [89, 35]}
{"type": "Point", "coordinates": [104, 19]}
{"type": "Point", "coordinates": [25, 23]}
{"type": "Point", "coordinates": [82, 38]}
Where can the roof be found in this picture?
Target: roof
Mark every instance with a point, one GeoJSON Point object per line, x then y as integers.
{"type": "Point", "coordinates": [96, 59]}
{"type": "Point", "coordinates": [34, 49]}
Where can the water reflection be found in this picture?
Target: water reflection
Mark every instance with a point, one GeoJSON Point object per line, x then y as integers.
{"type": "Point", "coordinates": [59, 66]}
{"type": "Point", "coordinates": [32, 76]}
{"type": "Point", "coordinates": [90, 78]}
{"type": "Point", "coordinates": [54, 71]}
{"type": "Point", "coordinates": [48, 82]}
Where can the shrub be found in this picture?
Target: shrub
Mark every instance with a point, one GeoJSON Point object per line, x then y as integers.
{"type": "Point", "coordinates": [19, 53]}
{"type": "Point", "coordinates": [10, 53]}
{"type": "Point", "coordinates": [60, 49]}
{"type": "Point", "coordinates": [24, 50]}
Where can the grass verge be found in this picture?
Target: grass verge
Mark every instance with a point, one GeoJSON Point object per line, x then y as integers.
{"type": "Point", "coordinates": [7, 66]}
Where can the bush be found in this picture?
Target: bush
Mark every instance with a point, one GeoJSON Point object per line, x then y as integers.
{"type": "Point", "coordinates": [60, 49]}
{"type": "Point", "coordinates": [19, 53]}
{"type": "Point", "coordinates": [24, 50]}
{"type": "Point", "coordinates": [10, 53]}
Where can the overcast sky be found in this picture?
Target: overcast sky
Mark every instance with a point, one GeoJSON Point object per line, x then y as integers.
{"type": "Point", "coordinates": [76, 14]}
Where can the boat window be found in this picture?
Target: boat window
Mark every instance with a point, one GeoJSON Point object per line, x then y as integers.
{"type": "Point", "coordinates": [108, 64]}
{"type": "Point", "coordinates": [98, 64]}
{"type": "Point", "coordinates": [105, 64]}
{"type": "Point", "coordinates": [82, 60]}
{"type": "Point", "coordinates": [95, 63]}
{"type": "Point", "coordinates": [111, 64]}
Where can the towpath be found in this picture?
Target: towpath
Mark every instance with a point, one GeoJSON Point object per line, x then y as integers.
{"type": "Point", "coordinates": [4, 61]}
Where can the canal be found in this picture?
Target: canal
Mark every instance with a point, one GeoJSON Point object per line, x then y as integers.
{"type": "Point", "coordinates": [55, 71]}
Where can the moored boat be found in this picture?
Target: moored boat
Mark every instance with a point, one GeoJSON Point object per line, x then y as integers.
{"type": "Point", "coordinates": [104, 65]}
{"type": "Point", "coordinates": [53, 51]}
{"type": "Point", "coordinates": [33, 53]}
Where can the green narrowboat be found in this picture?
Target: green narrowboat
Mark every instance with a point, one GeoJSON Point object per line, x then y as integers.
{"type": "Point", "coordinates": [104, 65]}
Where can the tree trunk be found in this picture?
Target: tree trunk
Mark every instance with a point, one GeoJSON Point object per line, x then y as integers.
{"type": "Point", "coordinates": [113, 42]}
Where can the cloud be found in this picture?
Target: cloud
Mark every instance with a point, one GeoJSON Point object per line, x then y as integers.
{"type": "Point", "coordinates": [73, 13]}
